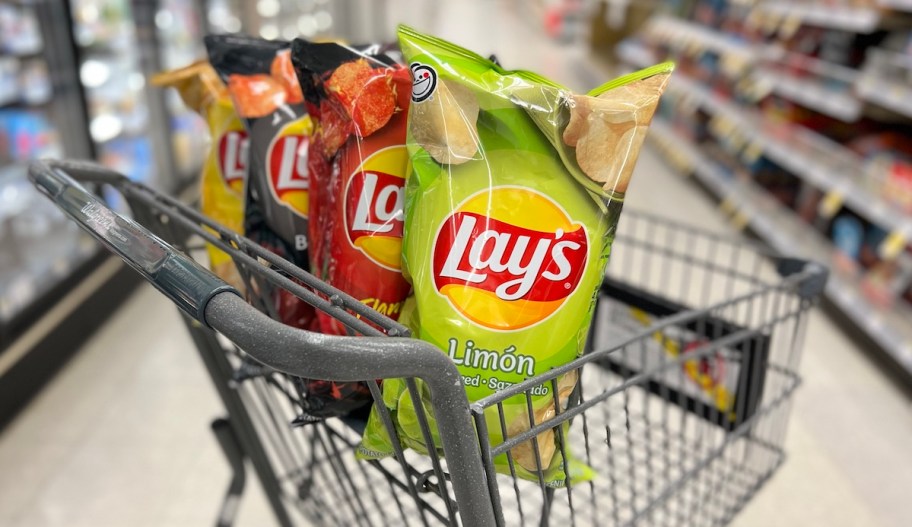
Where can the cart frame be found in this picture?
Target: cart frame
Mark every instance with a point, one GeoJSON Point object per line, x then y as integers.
{"type": "Point", "coordinates": [470, 489]}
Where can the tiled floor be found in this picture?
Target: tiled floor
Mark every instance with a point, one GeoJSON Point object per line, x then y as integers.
{"type": "Point", "coordinates": [121, 437]}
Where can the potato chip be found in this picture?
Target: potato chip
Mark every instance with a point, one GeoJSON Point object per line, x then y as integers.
{"type": "Point", "coordinates": [616, 121]}
{"type": "Point", "coordinates": [524, 453]}
{"type": "Point", "coordinates": [366, 94]}
{"type": "Point", "coordinates": [445, 124]}
{"type": "Point", "coordinates": [283, 71]}
{"type": "Point", "coordinates": [256, 95]}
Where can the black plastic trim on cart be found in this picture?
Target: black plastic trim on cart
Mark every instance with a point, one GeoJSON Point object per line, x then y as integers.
{"type": "Point", "coordinates": [755, 351]}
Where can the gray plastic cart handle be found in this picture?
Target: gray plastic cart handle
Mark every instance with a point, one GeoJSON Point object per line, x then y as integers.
{"type": "Point", "coordinates": [181, 279]}
{"type": "Point", "coordinates": [215, 304]}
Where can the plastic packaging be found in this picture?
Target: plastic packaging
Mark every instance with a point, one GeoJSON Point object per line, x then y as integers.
{"type": "Point", "coordinates": [268, 98]}
{"type": "Point", "coordinates": [358, 163]}
{"type": "Point", "coordinates": [511, 207]}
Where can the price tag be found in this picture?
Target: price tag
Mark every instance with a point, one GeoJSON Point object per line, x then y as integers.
{"type": "Point", "coordinates": [738, 140]}
{"type": "Point", "coordinates": [892, 246]}
{"type": "Point", "coordinates": [754, 19]}
{"type": "Point", "coordinates": [734, 63]}
{"type": "Point", "coordinates": [715, 126]}
{"type": "Point", "coordinates": [789, 26]}
{"type": "Point", "coordinates": [752, 153]}
{"type": "Point", "coordinates": [762, 88]}
{"type": "Point", "coordinates": [770, 23]}
{"type": "Point", "coordinates": [678, 163]}
{"type": "Point", "coordinates": [727, 205]}
{"type": "Point", "coordinates": [740, 221]}
{"type": "Point", "coordinates": [830, 204]}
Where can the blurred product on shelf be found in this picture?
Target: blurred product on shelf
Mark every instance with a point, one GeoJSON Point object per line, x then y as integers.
{"type": "Point", "coordinates": [887, 158]}
{"type": "Point", "coordinates": [614, 20]}
{"type": "Point", "coordinates": [20, 33]}
{"type": "Point", "coordinates": [9, 80]}
{"type": "Point", "coordinates": [25, 135]}
{"type": "Point", "coordinates": [114, 86]}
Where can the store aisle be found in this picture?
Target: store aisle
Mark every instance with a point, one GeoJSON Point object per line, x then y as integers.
{"type": "Point", "coordinates": [121, 437]}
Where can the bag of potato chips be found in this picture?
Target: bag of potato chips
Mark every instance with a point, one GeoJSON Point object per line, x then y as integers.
{"type": "Point", "coordinates": [266, 94]}
{"type": "Point", "coordinates": [268, 97]}
{"type": "Point", "coordinates": [225, 169]}
{"type": "Point", "coordinates": [511, 207]}
{"type": "Point", "coordinates": [359, 97]}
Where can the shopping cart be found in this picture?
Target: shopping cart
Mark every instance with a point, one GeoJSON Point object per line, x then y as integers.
{"type": "Point", "coordinates": [682, 407]}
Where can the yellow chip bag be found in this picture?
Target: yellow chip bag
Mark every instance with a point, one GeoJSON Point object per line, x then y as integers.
{"type": "Point", "coordinates": [225, 169]}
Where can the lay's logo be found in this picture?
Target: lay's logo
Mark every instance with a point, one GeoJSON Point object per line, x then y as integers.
{"type": "Point", "coordinates": [232, 158]}
{"type": "Point", "coordinates": [374, 197]}
{"type": "Point", "coordinates": [509, 258]}
{"type": "Point", "coordinates": [286, 166]}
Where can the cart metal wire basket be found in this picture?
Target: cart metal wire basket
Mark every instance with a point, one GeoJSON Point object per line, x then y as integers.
{"type": "Point", "coordinates": [685, 391]}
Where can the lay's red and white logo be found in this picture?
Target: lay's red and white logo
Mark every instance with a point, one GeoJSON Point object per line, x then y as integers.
{"type": "Point", "coordinates": [232, 158]}
{"type": "Point", "coordinates": [509, 258]}
{"type": "Point", "coordinates": [286, 166]}
{"type": "Point", "coordinates": [374, 197]}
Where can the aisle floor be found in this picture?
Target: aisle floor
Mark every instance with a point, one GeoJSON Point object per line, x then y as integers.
{"type": "Point", "coordinates": [121, 436]}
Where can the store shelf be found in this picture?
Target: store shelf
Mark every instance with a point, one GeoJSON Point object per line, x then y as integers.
{"type": "Point", "coordinates": [810, 156]}
{"type": "Point", "coordinates": [842, 17]}
{"type": "Point", "coordinates": [19, 102]}
{"type": "Point", "coordinates": [34, 283]}
{"type": "Point", "coordinates": [899, 5]}
{"type": "Point", "coordinates": [682, 33]}
{"type": "Point", "coordinates": [890, 329]}
{"type": "Point", "coordinates": [824, 68]}
{"type": "Point", "coordinates": [807, 155]}
{"type": "Point", "coordinates": [890, 95]}
{"type": "Point", "coordinates": [635, 54]}
{"type": "Point", "coordinates": [812, 93]}
{"type": "Point", "coordinates": [25, 55]}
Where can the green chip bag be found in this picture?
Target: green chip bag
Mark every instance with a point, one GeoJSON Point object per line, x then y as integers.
{"type": "Point", "coordinates": [511, 208]}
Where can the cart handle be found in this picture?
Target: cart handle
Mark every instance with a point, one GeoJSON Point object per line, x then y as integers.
{"type": "Point", "coordinates": [178, 277]}
{"type": "Point", "coordinates": [215, 304]}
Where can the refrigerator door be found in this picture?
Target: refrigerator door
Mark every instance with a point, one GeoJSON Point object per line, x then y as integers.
{"type": "Point", "coordinates": [128, 121]}
{"type": "Point", "coordinates": [41, 115]}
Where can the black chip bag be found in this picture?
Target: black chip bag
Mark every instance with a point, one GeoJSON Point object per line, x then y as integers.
{"type": "Point", "coordinates": [267, 96]}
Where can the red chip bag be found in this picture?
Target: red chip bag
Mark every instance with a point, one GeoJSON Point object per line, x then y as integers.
{"type": "Point", "coordinates": [363, 100]}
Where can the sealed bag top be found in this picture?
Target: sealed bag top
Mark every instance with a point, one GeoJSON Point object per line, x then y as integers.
{"type": "Point", "coordinates": [597, 135]}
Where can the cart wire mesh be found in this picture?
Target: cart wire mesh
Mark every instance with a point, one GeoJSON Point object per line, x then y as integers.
{"type": "Point", "coordinates": [681, 410]}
